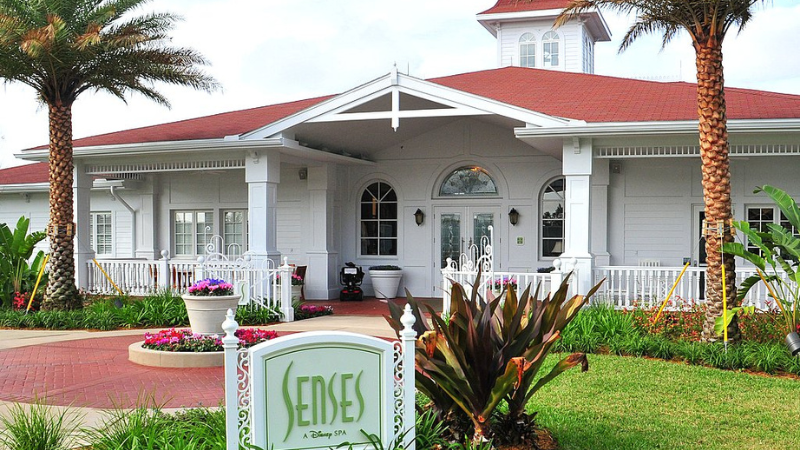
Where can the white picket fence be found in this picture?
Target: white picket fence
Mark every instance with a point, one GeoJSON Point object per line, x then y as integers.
{"type": "Point", "coordinates": [645, 287]}
{"type": "Point", "coordinates": [140, 277]}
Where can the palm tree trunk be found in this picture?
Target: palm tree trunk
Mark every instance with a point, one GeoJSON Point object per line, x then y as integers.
{"type": "Point", "coordinates": [61, 290]}
{"type": "Point", "coordinates": [713, 127]}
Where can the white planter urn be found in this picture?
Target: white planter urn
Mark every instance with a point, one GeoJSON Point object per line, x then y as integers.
{"type": "Point", "coordinates": [385, 282]}
{"type": "Point", "coordinates": [296, 291]}
{"type": "Point", "coordinates": [206, 313]}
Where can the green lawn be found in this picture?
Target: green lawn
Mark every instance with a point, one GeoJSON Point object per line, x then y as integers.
{"type": "Point", "coordinates": [635, 403]}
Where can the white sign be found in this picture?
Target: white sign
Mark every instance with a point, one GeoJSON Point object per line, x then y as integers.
{"type": "Point", "coordinates": [319, 390]}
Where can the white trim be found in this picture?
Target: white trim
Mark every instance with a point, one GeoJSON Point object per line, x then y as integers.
{"type": "Point", "coordinates": [694, 151]}
{"type": "Point", "coordinates": [29, 187]}
{"type": "Point", "coordinates": [594, 18]}
{"type": "Point", "coordinates": [282, 144]}
{"type": "Point", "coordinates": [174, 166]}
{"type": "Point", "coordinates": [596, 129]}
{"type": "Point", "coordinates": [408, 85]}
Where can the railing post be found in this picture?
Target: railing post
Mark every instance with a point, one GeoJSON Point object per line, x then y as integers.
{"type": "Point", "coordinates": [163, 270]}
{"type": "Point", "coordinates": [286, 291]}
{"type": "Point", "coordinates": [230, 345]}
{"type": "Point", "coordinates": [447, 275]}
{"type": "Point", "coordinates": [555, 276]}
{"type": "Point", "coordinates": [408, 339]}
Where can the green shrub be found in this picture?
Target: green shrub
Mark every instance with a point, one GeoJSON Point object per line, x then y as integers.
{"type": "Point", "coordinates": [768, 358]}
{"type": "Point", "coordinates": [488, 352]}
{"type": "Point", "coordinates": [37, 427]}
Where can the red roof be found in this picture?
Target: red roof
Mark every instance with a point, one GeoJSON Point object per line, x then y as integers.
{"type": "Point", "coordinates": [216, 126]}
{"type": "Point", "coordinates": [596, 98]}
{"type": "Point", "coordinates": [509, 6]}
{"type": "Point", "coordinates": [29, 173]}
{"type": "Point", "coordinates": [592, 98]}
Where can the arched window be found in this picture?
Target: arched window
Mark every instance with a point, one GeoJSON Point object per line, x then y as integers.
{"type": "Point", "coordinates": [588, 54]}
{"type": "Point", "coordinates": [550, 48]}
{"type": "Point", "coordinates": [468, 181]}
{"type": "Point", "coordinates": [552, 202]}
{"type": "Point", "coordinates": [527, 50]}
{"type": "Point", "coordinates": [379, 220]}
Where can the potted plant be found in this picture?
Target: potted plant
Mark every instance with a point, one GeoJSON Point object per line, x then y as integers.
{"type": "Point", "coordinates": [501, 284]}
{"type": "Point", "coordinates": [207, 302]}
{"type": "Point", "coordinates": [385, 280]}
{"type": "Point", "coordinates": [777, 263]}
{"type": "Point", "coordinates": [297, 286]}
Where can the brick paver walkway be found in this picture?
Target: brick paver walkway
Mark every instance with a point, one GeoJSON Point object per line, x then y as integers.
{"type": "Point", "coordinates": [96, 372]}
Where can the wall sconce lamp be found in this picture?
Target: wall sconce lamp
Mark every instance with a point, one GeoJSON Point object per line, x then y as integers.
{"type": "Point", "coordinates": [419, 217]}
{"type": "Point", "coordinates": [513, 217]}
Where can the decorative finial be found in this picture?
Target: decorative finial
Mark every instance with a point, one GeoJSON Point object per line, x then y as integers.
{"type": "Point", "coordinates": [230, 325]}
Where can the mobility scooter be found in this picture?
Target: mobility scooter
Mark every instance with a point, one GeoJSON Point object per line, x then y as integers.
{"type": "Point", "coordinates": [351, 277]}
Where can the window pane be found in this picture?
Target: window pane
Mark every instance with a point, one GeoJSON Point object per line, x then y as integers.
{"type": "Point", "coordinates": [378, 209]}
{"type": "Point", "coordinates": [369, 246]}
{"type": "Point", "coordinates": [369, 229]}
{"type": "Point", "coordinates": [552, 218]}
{"type": "Point", "coordinates": [468, 181]}
{"type": "Point", "coordinates": [388, 210]}
{"type": "Point", "coordinates": [388, 247]}
{"type": "Point", "coordinates": [388, 229]}
{"type": "Point", "coordinates": [369, 210]}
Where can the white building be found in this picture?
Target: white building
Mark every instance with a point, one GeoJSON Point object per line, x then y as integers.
{"type": "Point", "coordinates": [603, 170]}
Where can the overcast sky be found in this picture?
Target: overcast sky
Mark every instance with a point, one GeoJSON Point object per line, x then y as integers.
{"type": "Point", "coordinates": [271, 51]}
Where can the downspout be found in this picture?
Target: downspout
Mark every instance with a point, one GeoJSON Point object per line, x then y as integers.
{"type": "Point", "coordinates": [116, 197]}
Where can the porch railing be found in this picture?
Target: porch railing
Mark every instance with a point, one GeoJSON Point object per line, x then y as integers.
{"type": "Point", "coordinates": [140, 277]}
{"type": "Point", "coordinates": [259, 283]}
{"type": "Point", "coordinates": [637, 286]}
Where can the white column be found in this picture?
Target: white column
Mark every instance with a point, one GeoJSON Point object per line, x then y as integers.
{"type": "Point", "coordinates": [262, 174]}
{"type": "Point", "coordinates": [321, 276]}
{"type": "Point", "coordinates": [599, 236]}
{"type": "Point", "coordinates": [147, 223]}
{"type": "Point", "coordinates": [577, 161]}
{"type": "Point", "coordinates": [82, 204]}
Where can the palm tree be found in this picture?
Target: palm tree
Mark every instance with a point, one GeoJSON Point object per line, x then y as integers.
{"type": "Point", "coordinates": [706, 22]}
{"type": "Point", "coordinates": [63, 48]}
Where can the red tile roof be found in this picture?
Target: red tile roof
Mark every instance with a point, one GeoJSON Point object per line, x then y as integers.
{"type": "Point", "coordinates": [29, 173]}
{"type": "Point", "coordinates": [593, 98]}
{"type": "Point", "coordinates": [216, 126]}
{"type": "Point", "coordinates": [509, 6]}
{"type": "Point", "coordinates": [596, 98]}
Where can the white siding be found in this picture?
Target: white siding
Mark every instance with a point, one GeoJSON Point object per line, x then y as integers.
{"type": "Point", "coordinates": [570, 46]}
{"type": "Point", "coordinates": [416, 167]}
{"type": "Point", "coordinates": [652, 203]}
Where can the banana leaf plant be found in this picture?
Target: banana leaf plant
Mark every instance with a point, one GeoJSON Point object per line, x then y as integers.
{"type": "Point", "coordinates": [777, 259]}
{"type": "Point", "coordinates": [490, 350]}
{"type": "Point", "coordinates": [18, 270]}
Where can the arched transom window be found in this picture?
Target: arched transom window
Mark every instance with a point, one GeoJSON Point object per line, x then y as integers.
{"type": "Point", "coordinates": [550, 48]}
{"type": "Point", "coordinates": [468, 181]}
{"type": "Point", "coordinates": [379, 220]}
{"type": "Point", "coordinates": [527, 50]}
{"type": "Point", "coordinates": [552, 207]}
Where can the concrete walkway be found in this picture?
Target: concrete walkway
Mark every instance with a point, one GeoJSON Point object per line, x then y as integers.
{"type": "Point", "coordinates": [88, 371]}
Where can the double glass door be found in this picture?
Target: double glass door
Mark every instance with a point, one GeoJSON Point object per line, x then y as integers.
{"type": "Point", "coordinates": [458, 228]}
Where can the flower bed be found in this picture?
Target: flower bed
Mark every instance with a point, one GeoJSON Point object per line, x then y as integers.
{"type": "Point", "coordinates": [211, 287]}
{"type": "Point", "coordinates": [306, 311]}
{"type": "Point", "coordinates": [173, 340]}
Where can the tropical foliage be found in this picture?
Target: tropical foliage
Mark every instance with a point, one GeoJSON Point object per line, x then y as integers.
{"type": "Point", "coordinates": [19, 268]}
{"type": "Point", "coordinates": [777, 260]}
{"type": "Point", "coordinates": [64, 48]}
{"type": "Point", "coordinates": [706, 22]}
{"type": "Point", "coordinates": [490, 351]}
